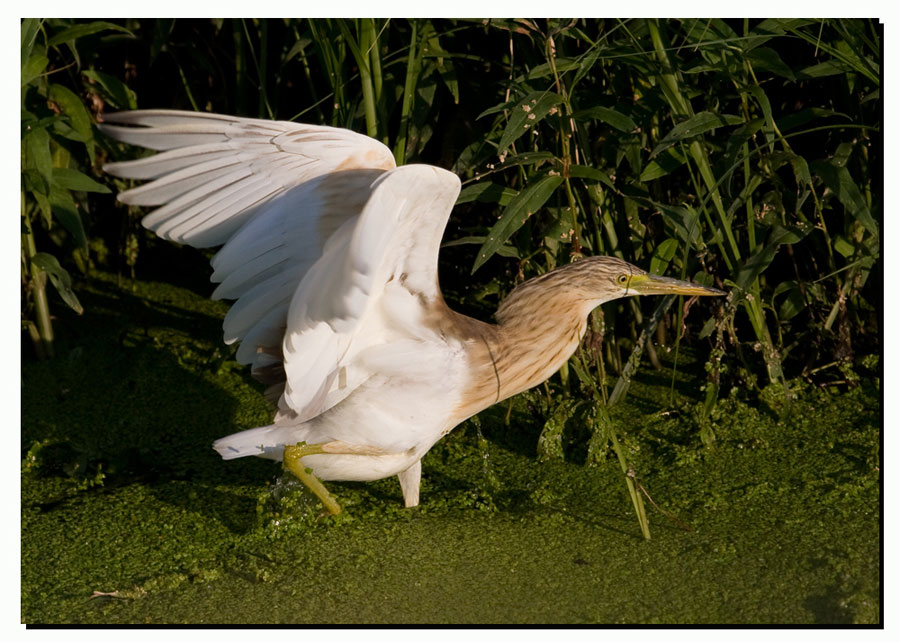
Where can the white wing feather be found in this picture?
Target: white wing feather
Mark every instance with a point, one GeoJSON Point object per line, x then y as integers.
{"type": "Point", "coordinates": [342, 309]}
{"type": "Point", "coordinates": [219, 170]}
{"type": "Point", "coordinates": [329, 250]}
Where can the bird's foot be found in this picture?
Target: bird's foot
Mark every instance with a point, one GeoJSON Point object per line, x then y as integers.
{"type": "Point", "coordinates": [293, 461]}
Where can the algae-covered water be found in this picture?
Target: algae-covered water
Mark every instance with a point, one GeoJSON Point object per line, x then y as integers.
{"type": "Point", "coordinates": [129, 516]}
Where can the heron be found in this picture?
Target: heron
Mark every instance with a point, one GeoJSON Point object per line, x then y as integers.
{"type": "Point", "coordinates": [330, 253]}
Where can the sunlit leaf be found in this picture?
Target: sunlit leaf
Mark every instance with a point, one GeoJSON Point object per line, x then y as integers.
{"type": "Point", "coordinates": [80, 30]}
{"type": "Point", "coordinates": [30, 29]}
{"type": "Point", "coordinates": [665, 163]}
{"type": "Point", "coordinates": [75, 180]}
{"type": "Point", "coordinates": [662, 255]}
{"type": "Point", "coordinates": [34, 67]}
{"type": "Point", "coordinates": [526, 158]}
{"type": "Point", "coordinates": [526, 203]}
{"type": "Point", "coordinates": [485, 192]}
{"type": "Point", "coordinates": [527, 113]}
{"type": "Point", "coordinates": [546, 70]}
{"type": "Point", "coordinates": [506, 251]}
{"type": "Point", "coordinates": [843, 246]}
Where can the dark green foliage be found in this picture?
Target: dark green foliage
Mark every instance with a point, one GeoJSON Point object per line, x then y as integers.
{"type": "Point", "coordinates": [57, 144]}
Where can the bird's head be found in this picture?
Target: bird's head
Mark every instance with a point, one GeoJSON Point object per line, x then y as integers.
{"type": "Point", "coordinates": [596, 280]}
{"type": "Point", "coordinates": [605, 278]}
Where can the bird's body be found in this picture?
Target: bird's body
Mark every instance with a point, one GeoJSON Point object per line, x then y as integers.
{"type": "Point", "coordinates": [331, 254]}
{"type": "Point", "coordinates": [418, 388]}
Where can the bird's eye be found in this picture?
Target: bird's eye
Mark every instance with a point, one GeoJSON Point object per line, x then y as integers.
{"type": "Point", "coordinates": [622, 279]}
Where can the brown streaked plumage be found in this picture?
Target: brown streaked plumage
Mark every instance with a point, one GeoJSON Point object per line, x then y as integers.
{"type": "Point", "coordinates": [330, 253]}
{"type": "Point", "coordinates": [540, 325]}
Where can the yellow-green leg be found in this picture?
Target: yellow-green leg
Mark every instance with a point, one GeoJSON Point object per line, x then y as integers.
{"type": "Point", "coordinates": [293, 456]}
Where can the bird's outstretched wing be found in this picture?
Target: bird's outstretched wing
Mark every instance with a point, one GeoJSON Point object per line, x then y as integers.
{"type": "Point", "coordinates": [315, 222]}
{"type": "Point", "coordinates": [217, 171]}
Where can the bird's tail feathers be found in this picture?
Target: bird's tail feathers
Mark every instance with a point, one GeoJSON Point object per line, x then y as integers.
{"type": "Point", "coordinates": [265, 441]}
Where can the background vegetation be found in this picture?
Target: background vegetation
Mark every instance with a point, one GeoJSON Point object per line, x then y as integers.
{"type": "Point", "coordinates": [741, 153]}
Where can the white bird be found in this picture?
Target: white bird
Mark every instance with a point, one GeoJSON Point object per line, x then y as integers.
{"type": "Point", "coordinates": [331, 253]}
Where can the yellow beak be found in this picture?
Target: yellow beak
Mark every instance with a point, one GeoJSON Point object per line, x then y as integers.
{"type": "Point", "coordinates": [653, 284]}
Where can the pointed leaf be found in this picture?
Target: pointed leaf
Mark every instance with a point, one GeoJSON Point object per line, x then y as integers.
{"type": "Point", "coordinates": [793, 303]}
{"type": "Point", "coordinates": [74, 180]}
{"type": "Point", "coordinates": [35, 182]}
{"type": "Point", "coordinates": [843, 246]}
{"type": "Point", "coordinates": [839, 181]}
{"type": "Point", "coordinates": [486, 192]}
{"type": "Point", "coordinates": [59, 278]}
{"type": "Point", "coordinates": [707, 328]}
{"type": "Point", "coordinates": [36, 185]}
{"type": "Point", "coordinates": [801, 170]}
{"type": "Point", "coordinates": [71, 106]}
{"type": "Point", "coordinates": [526, 114]}
{"type": "Point", "coordinates": [81, 30]}
{"type": "Point", "coordinates": [768, 59]}
{"type": "Point", "coordinates": [116, 93]}
{"type": "Point", "coordinates": [46, 209]}
{"type": "Point", "coordinates": [662, 255]}
{"type": "Point", "coordinates": [495, 109]}
{"type": "Point", "coordinates": [665, 163]}
{"type": "Point", "coordinates": [762, 257]}
{"type": "Point", "coordinates": [526, 203]}
{"type": "Point", "coordinates": [526, 158]}
{"type": "Point", "coordinates": [591, 174]}
{"type": "Point", "coordinates": [545, 70]}
{"type": "Point", "coordinates": [695, 125]}
{"type": "Point", "coordinates": [36, 144]}
{"type": "Point", "coordinates": [30, 28]}
{"type": "Point", "coordinates": [34, 67]}
{"type": "Point", "coordinates": [766, 108]}
{"type": "Point", "coordinates": [683, 220]}
{"type": "Point", "coordinates": [609, 116]}
{"type": "Point", "coordinates": [736, 141]}
{"type": "Point", "coordinates": [506, 251]}
{"type": "Point", "coordinates": [800, 118]}
{"type": "Point", "coordinates": [66, 212]}
{"type": "Point", "coordinates": [447, 73]}
{"type": "Point", "coordinates": [586, 62]}
{"type": "Point", "coordinates": [828, 68]}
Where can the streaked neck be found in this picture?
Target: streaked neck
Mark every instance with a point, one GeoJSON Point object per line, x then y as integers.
{"type": "Point", "coordinates": [530, 343]}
